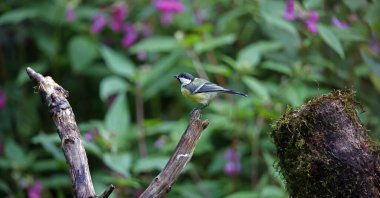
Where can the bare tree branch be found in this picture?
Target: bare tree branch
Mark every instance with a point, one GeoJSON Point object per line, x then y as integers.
{"type": "Point", "coordinates": [162, 184]}
{"type": "Point", "coordinates": [54, 96]}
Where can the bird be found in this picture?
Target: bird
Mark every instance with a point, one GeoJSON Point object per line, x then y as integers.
{"type": "Point", "coordinates": [200, 90]}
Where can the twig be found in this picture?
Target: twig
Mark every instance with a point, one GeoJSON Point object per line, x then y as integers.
{"type": "Point", "coordinates": [162, 184]}
{"type": "Point", "coordinates": [54, 96]}
{"type": "Point", "coordinates": [140, 121]}
{"type": "Point", "coordinates": [107, 192]}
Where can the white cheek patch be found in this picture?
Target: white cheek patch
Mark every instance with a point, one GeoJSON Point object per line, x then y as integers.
{"type": "Point", "coordinates": [184, 81]}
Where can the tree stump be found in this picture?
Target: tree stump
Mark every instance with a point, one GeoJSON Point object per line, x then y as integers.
{"type": "Point", "coordinates": [324, 151]}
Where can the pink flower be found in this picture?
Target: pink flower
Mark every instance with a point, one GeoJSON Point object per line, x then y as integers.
{"type": "Point", "coordinates": [232, 166]}
{"type": "Point", "coordinates": [312, 27]}
{"type": "Point", "coordinates": [289, 13]}
{"type": "Point", "coordinates": [167, 9]}
{"type": "Point", "coordinates": [232, 169]}
{"type": "Point", "coordinates": [35, 190]}
{"type": "Point", "coordinates": [3, 99]}
{"type": "Point", "coordinates": [141, 56]}
{"type": "Point", "coordinates": [119, 12]}
{"type": "Point", "coordinates": [159, 143]}
{"type": "Point", "coordinates": [70, 15]}
{"type": "Point", "coordinates": [130, 36]}
{"type": "Point", "coordinates": [171, 6]}
{"type": "Point", "coordinates": [338, 23]}
{"type": "Point", "coordinates": [311, 21]}
{"type": "Point", "coordinates": [374, 45]}
{"type": "Point", "coordinates": [98, 23]}
{"type": "Point", "coordinates": [89, 136]}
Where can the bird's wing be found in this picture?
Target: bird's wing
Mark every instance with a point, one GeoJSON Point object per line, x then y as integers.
{"type": "Point", "coordinates": [209, 87]}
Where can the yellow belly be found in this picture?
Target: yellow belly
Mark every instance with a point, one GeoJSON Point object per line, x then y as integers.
{"type": "Point", "coordinates": [202, 98]}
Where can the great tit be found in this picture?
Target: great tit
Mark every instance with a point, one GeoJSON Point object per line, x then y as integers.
{"type": "Point", "coordinates": [200, 90]}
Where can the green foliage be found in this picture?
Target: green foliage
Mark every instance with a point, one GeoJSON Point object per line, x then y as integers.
{"type": "Point", "coordinates": [128, 105]}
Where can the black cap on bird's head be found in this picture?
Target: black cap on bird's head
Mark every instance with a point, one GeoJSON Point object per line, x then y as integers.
{"type": "Point", "coordinates": [185, 76]}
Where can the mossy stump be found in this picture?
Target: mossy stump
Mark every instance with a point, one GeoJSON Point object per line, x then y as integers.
{"type": "Point", "coordinates": [324, 151]}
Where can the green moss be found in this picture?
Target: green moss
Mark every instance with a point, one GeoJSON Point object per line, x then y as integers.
{"type": "Point", "coordinates": [298, 161]}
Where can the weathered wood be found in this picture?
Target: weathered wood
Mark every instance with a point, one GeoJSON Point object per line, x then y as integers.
{"type": "Point", "coordinates": [324, 151]}
{"type": "Point", "coordinates": [162, 184]}
{"type": "Point", "coordinates": [54, 96]}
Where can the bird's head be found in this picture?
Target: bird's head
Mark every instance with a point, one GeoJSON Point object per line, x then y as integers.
{"type": "Point", "coordinates": [184, 78]}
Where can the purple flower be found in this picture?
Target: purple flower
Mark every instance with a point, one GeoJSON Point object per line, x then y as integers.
{"type": "Point", "coordinates": [311, 21]}
{"type": "Point", "coordinates": [130, 36]}
{"type": "Point", "coordinates": [167, 9]}
{"type": "Point", "coordinates": [338, 23]}
{"type": "Point", "coordinates": [312, 26]}
{"type": "Point", "coordinates": [119, 12]}
{"type": "Point", "coordinates": [374, 45]}
{"type": "Point", "coordinates": [141, 56]}
{"type": "Point", "coordinates": [70, 15]}
{"type": "Point", "coordinates": [313, 16]}
{"type": "Point", "coordinates": [232, 166]}
{"type": "Point", "coordinates": [3, 99]}
{"type": "Point", "coordinates": [232, 169]}
{"type": "Point", "coordinates": [98, 23]}
{"type": "Point", "coordinates": [89, 136]}
{"type": "Point", "coordinates": [289, 13]}
{"type": "Point", "coordinates": [231, 155]}
{"type": "Point", "coordinates": [170, 6]}
{"type": "Point", "coordinates": [159, 143]}
{"type": "Point", "coordinates": [35, 190]}
{"type": "Point", "coordinates": [166, 18]}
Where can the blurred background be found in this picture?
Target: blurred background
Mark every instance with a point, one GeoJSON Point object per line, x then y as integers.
{"type": "Point", "coordinates": [117, 60]}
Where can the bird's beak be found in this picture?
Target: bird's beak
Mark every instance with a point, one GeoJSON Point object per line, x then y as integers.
{"type": "Point", "coordinates": [176, 76]}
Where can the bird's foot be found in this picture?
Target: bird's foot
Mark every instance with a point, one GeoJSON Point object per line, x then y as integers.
{"type": "Point", "coordinates": [193, 111]}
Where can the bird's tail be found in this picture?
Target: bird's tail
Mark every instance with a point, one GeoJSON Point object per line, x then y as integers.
{"type": "Point", "coordinates": [235, 92]}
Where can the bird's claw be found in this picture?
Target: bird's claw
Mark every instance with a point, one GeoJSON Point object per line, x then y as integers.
{"type": "Point", "coordinates": [193, 111]}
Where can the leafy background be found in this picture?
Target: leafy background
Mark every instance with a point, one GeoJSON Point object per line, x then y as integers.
{"type": "Point", "coordinates": [117, 59]}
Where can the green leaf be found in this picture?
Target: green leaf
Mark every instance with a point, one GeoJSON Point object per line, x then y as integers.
{"type": "Point", "coordinates": [46, 165]}
{"type": "Point", "coordinates": [120, 163]}
{"type": "Point", "coordinates": [272, 192]}
{"type": "Point", "coordinates": [18, 15]}
{"type": "Point", "coordinates": [56, 181]}
{"type": "Point", "coordinates": [155, 44]}
{"type": "Point", "coordinates": [112, 85]}
{"type": "Point", "coordinates": [243, 194]}
{"type": "Point", "coordinates": [117, 118]}
{"type": "Point", "coordinates": [13, 151]}
{"type": "Point", "coordinates": [148, 164]}
{"type": "Point", "coordinates": [331, 40]}
{"type": "Point", "coordinates": [82, 52]}
{"type": "Point", "coordinates": [277, 67]}
{"type": "Point", "coordinates": [372, 64]}
{"type": "Point", "coordinates": [161, 67]}
{"type": "Point", "coordinates": [229, 17]}
{"type": "Point", "coordinates": [212, 43]}
{"type": "Point", "coordinates": [251, 54]}
{"type": "Point", "coordinates": [4, 187]}
{"type": "Point", "coordinates": [48, 142]}
{"type": "Point", "coordinates": [372, 14]}
{"type": "Point", "coordinates": [257, 87]}
{"type": "Point", "coordinates": [354, 5]}
{"type": "Point", "coordinates": [117, 62]}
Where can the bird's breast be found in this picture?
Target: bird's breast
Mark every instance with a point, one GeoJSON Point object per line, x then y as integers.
{"type": "Point", "coordinates": [203, 98]}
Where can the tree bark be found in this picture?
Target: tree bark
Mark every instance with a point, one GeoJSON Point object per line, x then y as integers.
{"type": "Point", "coordinates": [324, 151]}
{"type": "Point", "coordinates": [54, 96]}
